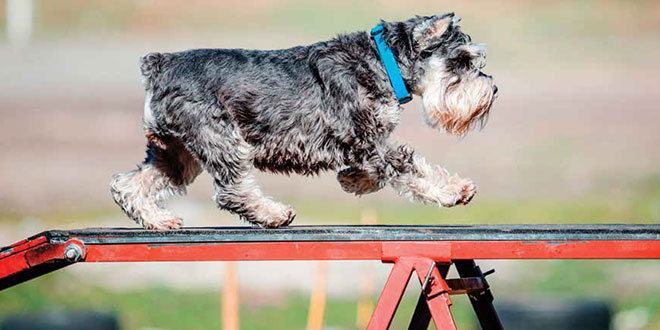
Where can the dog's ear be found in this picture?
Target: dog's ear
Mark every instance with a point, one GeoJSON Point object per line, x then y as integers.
{"type": "Point", "coordinates": [428, 31]}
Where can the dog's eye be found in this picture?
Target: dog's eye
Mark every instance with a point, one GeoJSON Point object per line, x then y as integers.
{"type": "Point", "coordinates": [462, 60]}
{"type": "Point", "coordinates": [429, 50]}
{"type": "Point", "coordinates": [433, 48]}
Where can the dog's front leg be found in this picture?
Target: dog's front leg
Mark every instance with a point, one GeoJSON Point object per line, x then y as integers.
{"type": "Point", "coordinates": [413, 177]}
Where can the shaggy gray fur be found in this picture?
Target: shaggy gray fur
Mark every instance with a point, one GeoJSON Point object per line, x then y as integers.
{"type": "Point", "coordinates": [302, 110]}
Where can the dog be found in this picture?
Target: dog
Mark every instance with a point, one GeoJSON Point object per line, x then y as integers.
{"type": "Point", "coordinates": [326, 106]}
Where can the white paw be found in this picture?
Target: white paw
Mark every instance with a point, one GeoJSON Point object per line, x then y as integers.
{"type": "Point", "coordinates": [173, 223]}
{"type": "Point", "coordinates": [457, 191]}
{"type": "Point", "coordinates": [469, 189]}
{"type": "Point", "coordinates": [272, 214]}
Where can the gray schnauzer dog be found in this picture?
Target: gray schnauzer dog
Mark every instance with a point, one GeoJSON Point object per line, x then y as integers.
{"type": "Point", "coordinates": [307, 109]}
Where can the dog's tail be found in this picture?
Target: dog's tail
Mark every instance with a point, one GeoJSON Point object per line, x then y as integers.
{"type": "Point", "coordinates": [151, 66]}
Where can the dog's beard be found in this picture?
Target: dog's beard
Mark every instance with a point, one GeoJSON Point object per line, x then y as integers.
{"type": "Point", "coordinates": [455, 104]}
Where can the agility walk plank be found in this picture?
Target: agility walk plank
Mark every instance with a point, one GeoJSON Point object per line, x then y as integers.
{"type": "Point", "coordinates": [55, 249]}
{"type": "Point", "coordinates": [366, 233]}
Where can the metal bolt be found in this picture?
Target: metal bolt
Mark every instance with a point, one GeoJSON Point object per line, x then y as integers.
{"type": "Point", "coordinates": [428, 278]}
{"type": "Point", "coordinates": [73, 252]}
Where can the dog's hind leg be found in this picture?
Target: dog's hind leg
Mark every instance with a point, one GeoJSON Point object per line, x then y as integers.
{"type": "Point", "coordinates": [229, 159]}
{"type": "Point", "coordinates": [142, 193]}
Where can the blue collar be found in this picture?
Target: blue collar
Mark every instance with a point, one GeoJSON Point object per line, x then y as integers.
{"type": "Point", "coordinates": [392, 68]}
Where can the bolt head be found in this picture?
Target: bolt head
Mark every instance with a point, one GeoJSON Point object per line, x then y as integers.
{"type": "Point", "coordinates": [73, 252]}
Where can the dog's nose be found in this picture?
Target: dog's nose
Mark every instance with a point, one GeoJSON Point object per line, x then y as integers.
{"type": "Point", "coordinates": [495, 89]}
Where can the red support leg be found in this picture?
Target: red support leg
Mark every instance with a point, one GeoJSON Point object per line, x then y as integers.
{"type": "Point", "coordinates": [437, 294]}
{"type": "Point", "coordinates": [391, 295]}
{"type": "Point", "coordinates": [422, 315]}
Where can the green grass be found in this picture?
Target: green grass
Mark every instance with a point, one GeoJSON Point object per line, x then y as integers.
{"type": "Point", "coordinates": [175, 309]}
{"type": "Point", "coordinates": [598, 206]}
{"type": "Point", "coordinates": [153, 307]}
{"type": "Point", "coordinates": [586, 210]}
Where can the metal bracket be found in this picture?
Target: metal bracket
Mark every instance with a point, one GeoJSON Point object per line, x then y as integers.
{"type": "Point", "coordinates": [428, 277]}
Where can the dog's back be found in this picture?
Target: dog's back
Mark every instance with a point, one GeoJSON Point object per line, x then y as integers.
{"type": "Point", "coordinates": [277, 99]}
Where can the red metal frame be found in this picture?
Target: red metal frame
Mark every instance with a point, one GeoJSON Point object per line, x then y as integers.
{"type": "Point", "coordinates": [38, 255]}
{"type": "Point", "coordinates": [39, 250]}
{"type": "Point", "coordinates": [370, 250]}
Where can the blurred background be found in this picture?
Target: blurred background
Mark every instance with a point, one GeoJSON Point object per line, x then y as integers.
{"type": "Point", "coordinates": [573, 138]}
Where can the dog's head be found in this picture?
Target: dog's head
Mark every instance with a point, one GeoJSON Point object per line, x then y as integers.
{"type": "Point", "coordinates": [446, 68]}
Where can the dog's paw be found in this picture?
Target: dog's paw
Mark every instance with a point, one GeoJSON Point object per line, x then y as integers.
{"type": "Point", "coordinates": [457, 191]}
{"type": "Point", "coordinates": [283, 219]}
{"type": "Point", "coordinates": [468, 191]}
{"type": "Point", "coordinates": [357, 181]}
{"type": "Point", "coordinates": [274, 215]}
{"type": "Point", "coordinates": [167, 224]}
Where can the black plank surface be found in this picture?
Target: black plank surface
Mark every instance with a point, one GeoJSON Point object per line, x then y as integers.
{"type": "Point", "coordinates": [364, 233]}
